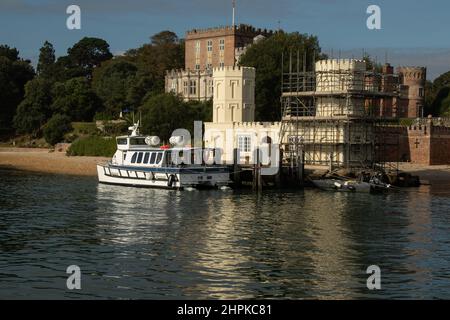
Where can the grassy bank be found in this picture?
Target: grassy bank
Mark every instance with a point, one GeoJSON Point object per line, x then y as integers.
{"type": "Point", "coordinates": [93, 146]}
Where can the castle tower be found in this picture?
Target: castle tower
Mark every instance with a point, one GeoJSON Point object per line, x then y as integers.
{"type": "Point", "coordinates": [334, 79]}
{"type": "Point", "coordinates": [234, 94]}
{"type": "Point", "coordinates": [412, 99]}
{"type": "Point", "coordinates": [217, 47]}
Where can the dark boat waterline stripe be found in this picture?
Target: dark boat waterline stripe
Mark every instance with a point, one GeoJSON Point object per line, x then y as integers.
{"type": "Point", "coordinates": [170, 170]}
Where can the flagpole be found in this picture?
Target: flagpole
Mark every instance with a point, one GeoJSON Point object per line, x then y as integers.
{"type": "Point", "coordinates": [234, 6]}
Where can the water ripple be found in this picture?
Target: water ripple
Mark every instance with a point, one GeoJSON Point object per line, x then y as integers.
{"type": "Point", "coordinates": [143, 243]}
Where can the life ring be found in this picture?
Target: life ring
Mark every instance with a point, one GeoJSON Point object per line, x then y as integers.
{"type": "Point", "coordinates": [171, 180]}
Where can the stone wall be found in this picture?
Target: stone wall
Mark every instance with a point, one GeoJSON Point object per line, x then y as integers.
{"type": "Point", "coordinates": [419, 144]}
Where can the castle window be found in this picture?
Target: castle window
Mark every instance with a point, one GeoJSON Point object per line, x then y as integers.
{"type": "Point", "coordinates": [210, 44]}
{"type": "Point", "coordinates": [209, 66]}
{"type": "Point", "coordinates": [197, 47]}
{"type": "Point", "coordinates": [197, 67]}
{"type": "Point", "coordinates": [222, 64]}
{"type": "Point", "coordinates": [211, 87]}
{"type": "Point", "coordinates": [244, 143]}
{"type": "Point", "coordinates": [421, 92]}
{"type": "Point", "coordinates": [192, 87]}
{"type": "Point", "coordinates": [222, 44]}
{"type": "Point", "coordinates": [233, 89]}
{"type": "Point", "coordinates": [185, 87]}
{"type": "Point", "coordinates": [174, 86]}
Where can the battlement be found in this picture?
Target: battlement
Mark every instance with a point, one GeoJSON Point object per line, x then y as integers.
{"type": "Point", "coordinates": [241, 29]}
{"type": "Point", "coordinates": [340, 65]}
{"type": "Point", "coordinates": [239, 50]}
{"type": "Point", "coordinates": [228, 69]}
{"type": "Point", "coordinates": [412, 73]}
{"type": "Point", "coordinates": [188, 72]}
{"type": "Point", "coordinates": [419, 129]}
{"type": "Point", "coordinates": [440, 130]}
{"type": "Point", "coordinates": [257, 125]}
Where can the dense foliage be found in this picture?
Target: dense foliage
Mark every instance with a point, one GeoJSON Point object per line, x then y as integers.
{"type": "Point", "coordinates": [266, 56]}
{"type": "Point", "coordinates": [438, 96]}
{"type": "Point", "coordinates": [86, 84]}
{"type": "Point", "coordinates": [94, 146]}
{"type": "Point", "coordinates": [56, 128]}
{"type": "Point", "coordinates": [164, 113]}
{"type": "Point", "coordinates": [14, 74]}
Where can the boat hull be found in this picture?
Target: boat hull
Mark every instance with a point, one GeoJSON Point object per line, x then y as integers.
{"type": "Point", "coordinates": [342, 186]}
{"type": "Point", "coordinates": [167, 178]}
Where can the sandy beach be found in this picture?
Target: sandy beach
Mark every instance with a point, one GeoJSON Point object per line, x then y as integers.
{"type": "Point", "coordinates": [432, 174]}
{"type": "Point", "coordinates": [44, 161]}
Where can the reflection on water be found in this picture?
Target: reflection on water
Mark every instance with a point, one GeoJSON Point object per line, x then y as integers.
{"type": "Point", "coordinates": [145, 243]}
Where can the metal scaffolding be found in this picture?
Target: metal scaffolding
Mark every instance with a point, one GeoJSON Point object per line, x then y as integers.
{"type": "Point", "coordinates": [330, 116]}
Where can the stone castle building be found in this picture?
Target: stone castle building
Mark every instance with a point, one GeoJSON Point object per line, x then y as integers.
{"type": "Point", "coordinates": [219, 47]}
{"type": "Point", "coordinates": [338, 132]}
{"type": "Point", "coordinates": [233, 125]}
{"type": "Point", "coordinates": [412, 92]}
{"type": "Point", "coordinates": [206, 49]}
{"type": "Point", "coordinates": [426, 143]}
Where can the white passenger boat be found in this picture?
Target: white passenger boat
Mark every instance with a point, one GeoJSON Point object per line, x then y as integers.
{"type": "Point", "coordinates": [137, 162]}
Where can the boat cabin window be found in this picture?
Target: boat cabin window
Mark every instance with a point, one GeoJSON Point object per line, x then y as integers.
{"type": "Point", "coordinates": [139, 158]}
{"type": "Point", "coordinates": [124, 156]}
{"type": "Point", "coordinates": [122, 141]}
{"type": "Point", "coordinates": [137, 142]}
{"type": "Point", "coordinates": [133, 158]}
{"type": "Point", "coordinates": [147, 155]}
{"type": "Point", "coordinates": [153, 158]}
{"type": "Point", "coordinates": [159, 158]}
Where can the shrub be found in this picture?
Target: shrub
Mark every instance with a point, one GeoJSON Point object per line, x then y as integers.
{"type": "Point", "coordinates": [93, 146]}
{"type": "Point", "coordinates": [56, 128]}
{"type": "Point", "coordinates": [405, 122]}
{"type": "Point", "coordinates": [84, 128]}
{"type": "Point", "coordinates": [116, 129]}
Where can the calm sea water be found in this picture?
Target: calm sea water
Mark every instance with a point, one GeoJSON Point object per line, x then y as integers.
{"type": "Point", "coordinates": [158, 244]}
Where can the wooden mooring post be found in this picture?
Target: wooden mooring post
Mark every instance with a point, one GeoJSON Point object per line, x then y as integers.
{"type": "Point", "coordinates": [236, 168]}
{"type": "Point", "coordinates": [257, 178]}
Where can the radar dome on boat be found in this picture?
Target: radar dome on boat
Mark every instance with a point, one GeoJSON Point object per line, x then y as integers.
{"type": "Point", "coordinates": [176, 140]}
{"type": "Point", "coordinates": [152, 140]}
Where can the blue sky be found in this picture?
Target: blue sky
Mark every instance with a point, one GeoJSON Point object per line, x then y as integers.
{"type": "Point", "coordinates": [413, 32]}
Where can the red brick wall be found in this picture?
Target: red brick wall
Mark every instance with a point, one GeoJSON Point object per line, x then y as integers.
{"type": "Point", "coordinates": [427, 145]}
{"type": "Point", "coordinates": [440, 146]}
{"type": "Point", "coordinates": [419, 144]}
{"type": "Point", "coordinates": [392, 144]}
{"type": "Point", "coordinates": [238, 36]}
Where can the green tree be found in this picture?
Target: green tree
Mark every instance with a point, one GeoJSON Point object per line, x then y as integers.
{"type": "Point", "coordinates": [56, 128]}
{"type": "Point", "coordinates": [34, 110]}
{"type": "Point", "coordinates": [266, 57]}
{"type": "Point", "coordinates": [46, 59]}
{"type": "Point", "coordinates": [165, 52]}
{"type": "Point", "coordinates": [164, 38]}
{"type": "Point", "coordinates": [87, 54]}
{"type": "Point", "coordinates": [371, 64]}
{"type": "Point", "coordinates": [14, 74]}
{"type": "Point", "coordinates": [76, 99]}
{"type": "Point", "coordinates": [113, 82]}
{"type": "Point", "coordinates": [438, 96]}
{"type": "Point", "coordinates": [9, 53]}
{"type": "Point", "coordinates": [163, 113]}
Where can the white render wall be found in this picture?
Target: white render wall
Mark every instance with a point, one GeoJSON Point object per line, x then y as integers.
{"type": "Point", "coordinates": [340, 76]}
{"type": "Point", "coordinates": [234, 94]}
